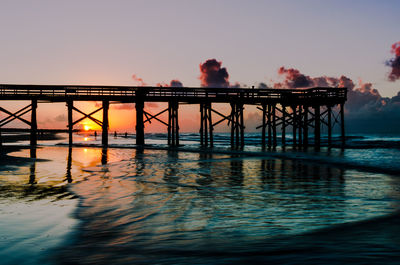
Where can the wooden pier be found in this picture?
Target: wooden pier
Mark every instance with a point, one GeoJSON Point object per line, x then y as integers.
{"type": "Point", "coordinates": [296, 111]}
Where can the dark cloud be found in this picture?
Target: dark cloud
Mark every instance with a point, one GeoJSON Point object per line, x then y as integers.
{"type": "Point", "coordinates": [262, 86]}
{"type": "Point", "coordinates": [394, 63]}
{"type": "Point", "coordinates": [213, 75]}
{"type": "Point", "coordinates": [175, 83]}
{"type": "Point", "coordinates": [293, 79]}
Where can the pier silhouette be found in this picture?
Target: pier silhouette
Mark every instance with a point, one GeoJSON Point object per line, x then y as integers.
{"type": "Point", "coordinates": [301, 110]}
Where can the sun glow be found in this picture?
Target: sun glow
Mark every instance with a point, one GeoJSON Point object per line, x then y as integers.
{"type": "Point", "coordinates": [86, 127]}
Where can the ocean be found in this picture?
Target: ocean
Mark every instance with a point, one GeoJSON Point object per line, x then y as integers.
{"type": "Point", "coordinates": [191, 205]}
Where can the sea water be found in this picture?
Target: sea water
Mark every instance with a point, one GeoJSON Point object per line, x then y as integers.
{"type": "Point", "coordinates": [128, 205]}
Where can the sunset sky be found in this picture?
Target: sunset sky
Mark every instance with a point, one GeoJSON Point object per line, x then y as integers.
{"type": "Point", "coordinates": [106, 42]}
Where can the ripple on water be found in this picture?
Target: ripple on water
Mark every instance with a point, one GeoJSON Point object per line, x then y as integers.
{"type": "Point", "coordinates": [165, 202]}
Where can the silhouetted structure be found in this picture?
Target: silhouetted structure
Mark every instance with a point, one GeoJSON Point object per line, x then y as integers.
{"type": "Point", "coordinates": [300, 109]}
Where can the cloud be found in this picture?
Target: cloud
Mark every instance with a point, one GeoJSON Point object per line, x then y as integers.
{"type": "Point", "coordinates": [213, 75]}
{"type": "Point", "coordinates": [394, 63]}
{"type": "Point", "coordinates": [172, 83]}
{"type": "Point", "coordinates": [293, 79]}
{"type": "Point", "coordinates": [175, 83]}
{"type": "Point", "coordinates": [138, 80]}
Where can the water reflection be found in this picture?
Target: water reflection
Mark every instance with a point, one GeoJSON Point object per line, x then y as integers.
{"type": "Point", "coordinates": [236, 168]}
{"type": "Point", "coordinates": [172, 170]}
{"type": "Point", "coordinates": [161, 202]}
{"type": "Point", "coordinates": [204, 163]}
{"type": "Point", "coordinates": [68, 175]}
{"type": "Point", "coordinates": [32, 167]}
{"type": "Point", "coordinates": [152, 205]}
{"type": "Point", "coordinates": [104, 155]}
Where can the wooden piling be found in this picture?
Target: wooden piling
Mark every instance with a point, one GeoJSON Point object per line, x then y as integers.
{"type": "Point", "coordinates": [104, 136]}
{"type": "Point", "coordinates": [300, 122]}
{"type": "Point", "coordinates": [274, 125]}
{"type": "Point", "coordinates": [269, 114]}
{"type": "Point", "coordinates": [201, 125]}
{"type": "Point", "coordinates": [176, 107]}
{"type": "Point", "coordinates": [169, 141]}
{"type": "Point", "coordinates": [232, 124]}
{"type": "Point", "coordinates": [139, 122]}
{"type": "Point", "coordinates": [305, 129]}
{"type": "Point", "coordinates": [329, 113]}
{"type": "Point", "coordinates": [173, 123]}
{"type": "Point", "coordinates": [33, 138]}
{"type": "Point", "coordinates": [205, 126]}
{"type": "Point", "coordinates": [283, 125]}
{"type": "Point", "coordinates": [237, 125]}
{"type": "Point", "coordinates": [343, 136]}
{"type": "Point", "coordinates": [70, 105]}
{"type": "Point", "coordinates": [264, 111]}
{"type": "Point", "coordinates": [241, 125]}
{"type": "Point", "coordinates": [294, 125]}
{"type": "Point", "coordinates": [210, 125]}
{"type": "Point", "coordinates": [317, 126]}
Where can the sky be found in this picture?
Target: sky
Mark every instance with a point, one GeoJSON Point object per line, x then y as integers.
{"type": "Point", "coordinates": [106, 42]}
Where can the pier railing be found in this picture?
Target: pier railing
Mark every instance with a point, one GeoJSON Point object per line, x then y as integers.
{"type": "Point", "coordinates": [166, 93]}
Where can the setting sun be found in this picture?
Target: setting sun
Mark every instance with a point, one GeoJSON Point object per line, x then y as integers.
{"type": "Point", "coordinates": [86, 127]}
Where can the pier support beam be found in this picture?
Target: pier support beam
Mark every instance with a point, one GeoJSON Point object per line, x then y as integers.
{"type": "Point", "coordinates": [317, 126]}
{"type": "Point", "coordinates": [33, 138]}
{"type": "Point", "coordinates": [139, 122]}
{"type": "Point", "coordinates": [173, 123]}
{"type": "Point", "coordinates": [343, 136]}
{"type": "Point", "coordinates": [70, 105]}
{"type": "Point", "coordinates": [274, 142]}
{"type": "Point", "coordinates": [305, 128]}
{"type": "Point", "coordinates": [264, 124]}
{"type": "Point", "coordinates": [237, 125]}
{"type": "Point", "coordinates": [294, 124]}
{"type": "Point", "coordinates": [269, 124]}
{"type": "Point", "coordinates": [104, 136]}
{"type": "Point", "coordinates": [283, 125]}
{"type": "Point", "coordinates": [300, 125]}
{"type": "Point", "coordinates": [329, 113]}
{"type": "Point", "coordinates": [206, 125]}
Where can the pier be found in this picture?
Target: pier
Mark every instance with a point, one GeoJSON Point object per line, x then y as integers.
{"type": "Point", "coordinates": [299, 112]}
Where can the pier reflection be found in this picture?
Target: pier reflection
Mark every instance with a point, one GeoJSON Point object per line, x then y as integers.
{"type": "Point", "coordinates": [68, 175]}
{"type": "Point", "coordinates": [205, 169]}
{"type": "Point", "coordinates": [172, 170]}
{"type": "Point", "coordinates": [139, 164]}
{"type": "Point", "coordinates": [32, 167]}
{"type": "Point", "coordinates": [104, 156]}
{"type": "Point", "coordinates": [302, 178]}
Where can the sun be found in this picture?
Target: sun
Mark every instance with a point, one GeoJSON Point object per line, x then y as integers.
{"type": "Point", "coordinates": [86, 127]}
